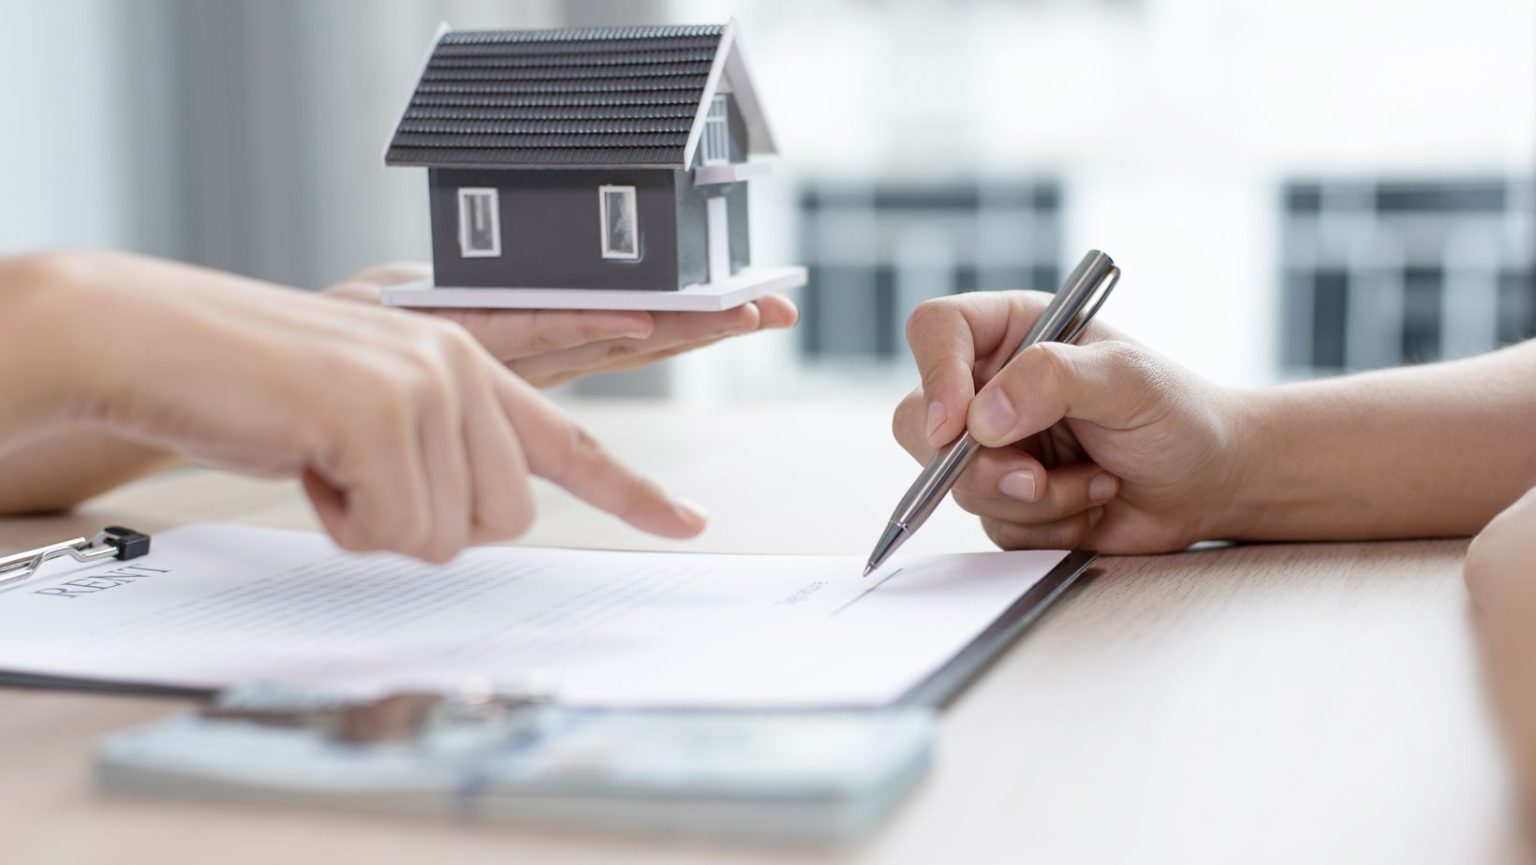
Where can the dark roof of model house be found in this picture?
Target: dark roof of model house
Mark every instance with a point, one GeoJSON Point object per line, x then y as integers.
{"type": "Point", "coordinates": [632, 97]}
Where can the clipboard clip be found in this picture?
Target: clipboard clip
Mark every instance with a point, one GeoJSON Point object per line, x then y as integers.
{"type": "Point", "coordinates": [112, 542]}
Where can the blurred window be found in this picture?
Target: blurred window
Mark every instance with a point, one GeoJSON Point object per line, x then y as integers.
{"type": "Point", "coordinates": [875, 251]}
{"type": "Point", "coordinates": [1378, 273]}
{"type": "Point", "coordinates": [479, 223]}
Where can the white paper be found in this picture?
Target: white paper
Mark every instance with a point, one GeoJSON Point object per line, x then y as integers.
{"type": "Point", "coordinates": [215, 605]}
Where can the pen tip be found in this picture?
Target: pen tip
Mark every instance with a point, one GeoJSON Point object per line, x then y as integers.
{"type": "Point", "coordinates": [869, 569]}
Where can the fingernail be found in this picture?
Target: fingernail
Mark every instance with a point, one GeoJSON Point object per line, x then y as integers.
{"type": "Point", "coordinates": [936, 415]}
{"type": "Point", "coordinates": [690, 511]}
{"type": "Point", "coordinates": [994, 415]}
{"type": "Point", "coordinates": [1102, 488]}
{"type": "Point", "coordinates": [1018, 485]}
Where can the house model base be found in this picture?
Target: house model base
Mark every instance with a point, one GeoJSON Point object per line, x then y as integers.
{"type": "Point", "coordinates": [744, 286]}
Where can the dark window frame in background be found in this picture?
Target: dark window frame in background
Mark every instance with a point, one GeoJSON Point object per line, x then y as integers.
{"type": "Point", "coordinates": [876, 250]}
{"type": "Point", "coordinates": [1380, 272]}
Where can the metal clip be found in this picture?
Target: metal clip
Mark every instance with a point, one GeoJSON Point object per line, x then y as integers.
{"type": "Point", "coordinates": [112, 542]}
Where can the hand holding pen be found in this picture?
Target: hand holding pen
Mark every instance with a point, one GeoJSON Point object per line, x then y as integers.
{"type": "Point", "coordinates": [1064, 319]}
{"type": "Point", "coordinates": [1103, 445]}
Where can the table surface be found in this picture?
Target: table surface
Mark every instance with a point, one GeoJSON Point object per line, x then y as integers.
{"type": "Point", "coordinates": [1302, 703]}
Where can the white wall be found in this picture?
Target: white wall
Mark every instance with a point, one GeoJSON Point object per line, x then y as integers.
{"type": "Point", "coordinates": [1171, 122]}
{"type": "Point", "coordinates": [60, 178]}
{"type": "Point", "coordinates": [247, 134]}
{"type": "Point", "coordinates": [244, 135]}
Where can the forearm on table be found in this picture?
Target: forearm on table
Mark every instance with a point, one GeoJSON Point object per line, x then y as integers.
{"type": "Point", "coordinates": [1422, 451]}
{"type": "Point", "coordinates": [68, 467]}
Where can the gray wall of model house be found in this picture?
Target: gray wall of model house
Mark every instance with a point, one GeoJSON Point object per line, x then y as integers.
{"type": "Point", "coordinates": [551, 230]}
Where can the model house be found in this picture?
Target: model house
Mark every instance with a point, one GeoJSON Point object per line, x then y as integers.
{"type": "Point", "coordinates": [586, 159]}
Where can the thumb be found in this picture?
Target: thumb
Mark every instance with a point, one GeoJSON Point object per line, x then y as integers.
{"type": "Point", "coordinates": [563, 453]}
{"type": "Point", "coordinates": [1109, 383]}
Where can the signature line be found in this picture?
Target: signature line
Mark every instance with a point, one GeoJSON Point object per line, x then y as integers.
{"type": "Point", "coordinates": [855, 599]}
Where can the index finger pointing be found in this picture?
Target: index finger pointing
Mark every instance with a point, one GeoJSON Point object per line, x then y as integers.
{"type": "Point", "coordinates": [562, 452]}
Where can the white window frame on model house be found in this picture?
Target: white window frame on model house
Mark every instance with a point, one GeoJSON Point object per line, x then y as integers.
{"type": "Point", "coordinates": [632, 218]}
{"type": "Point", "coordinates": [467, 196]}
{"type": "Point", "coordinates": [717, 133]}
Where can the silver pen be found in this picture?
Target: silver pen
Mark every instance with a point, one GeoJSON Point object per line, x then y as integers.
{"type": "Point", "coordinates": [1063, 320]}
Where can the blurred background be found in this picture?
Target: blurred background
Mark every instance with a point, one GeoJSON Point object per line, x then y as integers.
{"type": "Point", "coordinates": [1293, 188]}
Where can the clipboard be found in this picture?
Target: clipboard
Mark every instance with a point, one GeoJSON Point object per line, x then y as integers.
{"type": "Point", "coordinates": [947, 683]}
{"type": "Point", "coordinates": [936, 691]}
{"type": "Point", "coordinates": [113, 542]}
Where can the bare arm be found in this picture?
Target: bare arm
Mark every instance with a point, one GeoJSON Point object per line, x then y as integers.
{"type": "Point", "coordinates": [1499, 569]}
{"type": "Point", "coordinates": [406, 434]}
{"type": "Point", "coordinates": [49, 458]}
{"type": "Point", "coordinates": [1419, 451]}
{"type": "Point", "coordinates": [67, 467]}
{"type": "Point", "coordinates": [62, 468]}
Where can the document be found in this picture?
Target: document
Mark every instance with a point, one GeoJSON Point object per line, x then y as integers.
{"type": "Point", "coordinates": [216, 605]}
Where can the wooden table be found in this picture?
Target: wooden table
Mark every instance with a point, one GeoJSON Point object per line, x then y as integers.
{"type": "Point", "coordinates": [1310, 703]}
